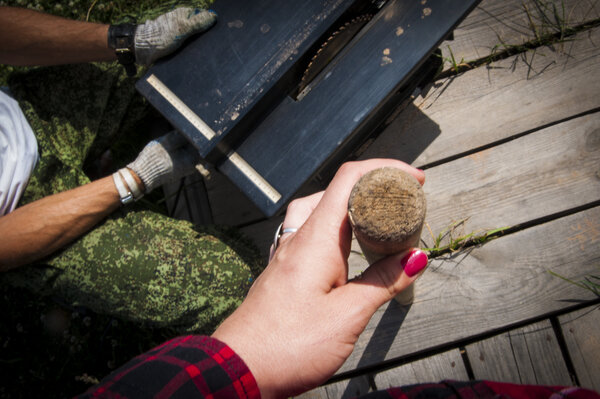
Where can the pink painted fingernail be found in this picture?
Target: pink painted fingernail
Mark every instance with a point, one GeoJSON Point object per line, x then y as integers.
{"type": "Point", "coordinates": [414, 262]}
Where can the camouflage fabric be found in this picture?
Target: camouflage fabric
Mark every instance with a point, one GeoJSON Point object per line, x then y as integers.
{"type": "Point", "coordinates": [138, 265]}
{"type": "Point", "coordinates": [76, 112]}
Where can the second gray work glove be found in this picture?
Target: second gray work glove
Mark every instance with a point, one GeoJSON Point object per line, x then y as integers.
{"type": "Point", "coordinates": [156, 38]}
{"type": "Point", "coordinates": [165, 159]}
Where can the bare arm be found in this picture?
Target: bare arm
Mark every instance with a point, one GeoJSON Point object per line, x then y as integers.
{"type": "Point", "coordinates": [42, 227]}
{"type": "Point", "coordinates": [29, 37]}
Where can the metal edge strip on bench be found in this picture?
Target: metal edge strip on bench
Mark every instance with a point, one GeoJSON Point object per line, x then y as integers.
{"type": "Point", "coordinates": [180, 106]}
{"type": "Point", "coordinates": [254, 176]}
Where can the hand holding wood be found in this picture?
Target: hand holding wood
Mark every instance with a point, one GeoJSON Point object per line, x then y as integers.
{"type": "Point", "coordinates": [387, 210]}
{"type": "Point", "coordinates": [302, 316]}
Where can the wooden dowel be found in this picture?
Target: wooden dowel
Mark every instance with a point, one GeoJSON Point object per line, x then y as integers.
{"type": "Point", "coordinates": [387, 210]}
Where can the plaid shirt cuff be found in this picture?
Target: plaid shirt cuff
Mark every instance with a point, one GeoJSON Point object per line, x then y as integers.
{"type": "Point", "coordinates": [192, 366]}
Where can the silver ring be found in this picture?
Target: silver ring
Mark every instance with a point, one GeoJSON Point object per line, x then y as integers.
{"type": "Point", "coordinates": [281, 231]}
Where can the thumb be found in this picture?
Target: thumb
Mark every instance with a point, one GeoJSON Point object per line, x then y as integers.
{"type": "Point", "coordinates": [199, 20]}
{"type": "Point", "coordinates": [386, 278]}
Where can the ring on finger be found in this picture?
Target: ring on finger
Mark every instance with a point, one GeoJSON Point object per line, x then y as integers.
{"type": "Point", "coordinates": [281, 231]}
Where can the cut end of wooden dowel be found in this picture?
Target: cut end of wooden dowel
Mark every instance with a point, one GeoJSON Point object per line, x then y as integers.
{"type": "Point", "coordinates": [387, 209]}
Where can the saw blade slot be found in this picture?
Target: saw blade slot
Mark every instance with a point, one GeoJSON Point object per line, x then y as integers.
{"type": "Point", "coordinates": [308, 69]}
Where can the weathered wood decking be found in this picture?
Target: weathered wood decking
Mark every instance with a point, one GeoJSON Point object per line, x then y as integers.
{"type": "Point", "coordinates": [512, 143]}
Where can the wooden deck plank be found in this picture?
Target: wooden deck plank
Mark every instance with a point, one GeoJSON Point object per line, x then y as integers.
{"type": "Point", "coordinates": [540, 174]}
{"type": "Point", "coordinates": [317, 393]}
{"type": "Point", "coordinates": [497, 22]}
{"type": "Point", "coordinates": [446, 365]}
{"type": "Point", "coordinates": [351, 388]}
{"type": "Point", "coordinates": [501, 283]}
{"type": "Point", "coordinates": [582, 336]}
{"type": "Point", "coordinates": [528, 355]}
{"type": "Point", "coordinates": [485, 105]}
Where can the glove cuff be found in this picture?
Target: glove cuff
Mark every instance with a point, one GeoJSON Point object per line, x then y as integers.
{"type": "Point", "coordinates": [121, 38]}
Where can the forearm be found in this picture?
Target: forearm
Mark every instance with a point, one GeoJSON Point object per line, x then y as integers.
{"type": "Point", "coordinates": [29, 37]}
{"type": "Point", "coordinates": [36, 230]}
{"type": "Point", "coordinates": [42, 227]}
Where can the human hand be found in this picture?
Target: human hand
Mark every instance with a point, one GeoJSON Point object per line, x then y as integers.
{"type": "Point", "coordinates": [165, 159]}
{"type": "Point", "coordinates": [302, 316]}
{"type": "Point", "coordinates": [156, 38]}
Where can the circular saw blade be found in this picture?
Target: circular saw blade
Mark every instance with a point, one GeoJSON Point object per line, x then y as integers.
{"type": "Point", "coordinates": [331, 47]}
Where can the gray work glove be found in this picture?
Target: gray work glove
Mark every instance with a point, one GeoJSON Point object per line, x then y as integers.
{"type": "Point", "coordinates": [165, 159]}
{"type": "Point", "coordinates": [156, 38]}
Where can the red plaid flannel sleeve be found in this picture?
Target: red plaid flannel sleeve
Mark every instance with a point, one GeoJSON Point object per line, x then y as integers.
{"type": "Point", "coordinates": [192, 366]}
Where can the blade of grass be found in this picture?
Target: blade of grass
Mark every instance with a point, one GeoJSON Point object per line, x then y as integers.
{"type": "Point", "coordinates": [586, 284]}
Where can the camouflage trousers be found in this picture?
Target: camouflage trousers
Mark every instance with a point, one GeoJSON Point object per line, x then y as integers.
{"type": "Point", "coordinates": [137, 265]}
